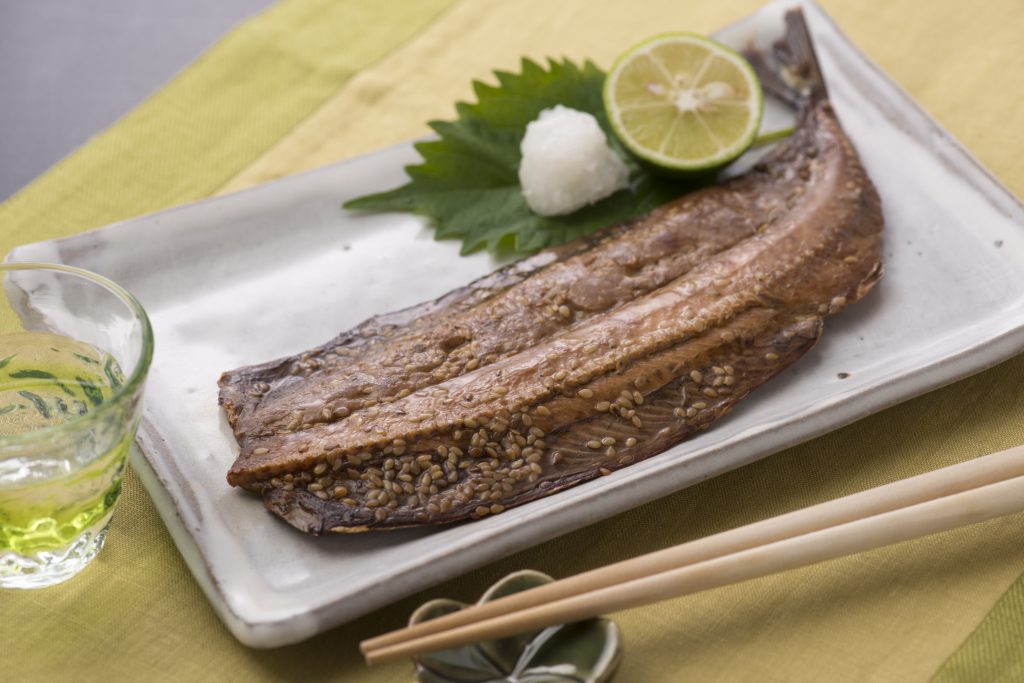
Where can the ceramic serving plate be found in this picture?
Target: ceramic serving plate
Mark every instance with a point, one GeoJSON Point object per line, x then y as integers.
{"type": "Point", "coordinates": [279, 268]}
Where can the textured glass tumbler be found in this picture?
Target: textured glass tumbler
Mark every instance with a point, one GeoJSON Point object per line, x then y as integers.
{"type": "Point", "coordinates": [74, 352]}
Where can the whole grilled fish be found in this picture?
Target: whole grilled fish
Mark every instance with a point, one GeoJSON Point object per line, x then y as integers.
{"type": "Point", "coordinates": [577, 361]}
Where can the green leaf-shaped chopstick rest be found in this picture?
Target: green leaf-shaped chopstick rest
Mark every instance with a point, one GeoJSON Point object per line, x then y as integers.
{"type": "Point", "coordinates": [584, 652]}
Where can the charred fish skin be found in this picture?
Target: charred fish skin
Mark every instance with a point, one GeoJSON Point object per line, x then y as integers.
{"type": "Point", "coordinates": [612, 384]}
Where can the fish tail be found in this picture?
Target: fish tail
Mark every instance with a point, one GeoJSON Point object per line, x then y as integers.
{"type": "Point", "coordinates": [790, 69]}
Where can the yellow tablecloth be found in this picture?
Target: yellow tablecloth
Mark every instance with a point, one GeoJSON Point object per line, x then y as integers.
{"type": "Point", "coordinates": [313, 81]}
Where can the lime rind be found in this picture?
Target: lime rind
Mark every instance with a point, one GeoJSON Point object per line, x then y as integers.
{"type": "Point", "coordinates": [674, 163]}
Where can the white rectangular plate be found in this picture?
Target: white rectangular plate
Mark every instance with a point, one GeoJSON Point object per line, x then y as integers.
{"type": "Point", "coordinates": [277, 269]}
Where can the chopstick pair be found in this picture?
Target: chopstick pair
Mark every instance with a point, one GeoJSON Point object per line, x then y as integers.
{"type": "Point", "coordinates": [981, 489]}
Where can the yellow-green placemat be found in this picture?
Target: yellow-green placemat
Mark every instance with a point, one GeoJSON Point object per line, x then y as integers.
{"type": "Point", "coordinates": [993, 651]}
{"type": "Point", "coordinates": [894, 614]}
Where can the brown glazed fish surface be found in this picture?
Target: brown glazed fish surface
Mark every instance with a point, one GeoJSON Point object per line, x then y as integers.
{"type": "Point", "coordinates": [572, 363]}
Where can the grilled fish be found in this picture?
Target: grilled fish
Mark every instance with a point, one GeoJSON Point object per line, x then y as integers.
{"type": "Point", "coordinates": [577, 361]}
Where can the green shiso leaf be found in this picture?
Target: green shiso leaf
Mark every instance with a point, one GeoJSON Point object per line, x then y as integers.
{"type": "Point", "coordinates": [468, 182]}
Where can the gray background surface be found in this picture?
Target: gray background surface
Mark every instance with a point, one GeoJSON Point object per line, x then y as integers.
{"type": "Point", "coordinates": [70, 68]}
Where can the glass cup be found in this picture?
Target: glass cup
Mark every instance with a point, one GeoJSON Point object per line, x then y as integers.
{"type": "Point", "coordinates": [74, 352]}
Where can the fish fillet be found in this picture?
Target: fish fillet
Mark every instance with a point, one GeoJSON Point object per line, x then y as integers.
{"type": "Point", "coordinates": [575, 362]}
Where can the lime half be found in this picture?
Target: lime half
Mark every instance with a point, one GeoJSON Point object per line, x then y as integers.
{"type": "Point", "coordinates": [683, 102]}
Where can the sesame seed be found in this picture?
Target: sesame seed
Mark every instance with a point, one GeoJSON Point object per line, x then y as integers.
{"type": "Point", "coordinates": [472, 364]}
{"type": "Point", "coordinates": [604, 471]}
{"type": "Point", "coordinates": [585, 393]}
{"type": "Point", "coordinates": [340, 492]}
{"type": "Point", "coordinates": [697, 376]}
{"type": "Point", "coordinates": [691, 412]}
{"type": "Point", "coordinates": [626, 460]}
{"type": "Point", "coordinates": [543, 411]}
{"type": "Point", "coordinates": [320, 469]}
{"type": "Point", "coordinates": [630, 442]}
{"type": "Point", "coordinates": [608, 441]}
{"type": "Point", "coordinates": [497, 508]}
{"type": "Point", "coordinates": [610, 452]}
{"type": "Point", "coordinates": [594, 444]}
{"type": "Point", "coordinates": [320, 494]}
{"type": "Point", "coordinates": [556, 457]}
{"type": "Point", "coordinates": [771, 356]}
{"type": "Point", "coordinates": [261, 451]}
{"type": "Point", "coordinates": [564, 311]}
{"type": "Point", "coordinates": [315, 487]}
{"type": "Point", "coordinates": [480, 511]}
{"type": "Point", "coordinates": [729, 370]}
{"type": "Point", "coordinates": [380, 514]}
{"type": "Point", "coordinates": [708, 391]}
{"type": "Point", "coordinates": [602, 407]}
{"type": "Point", "coordinates": [637, 422]}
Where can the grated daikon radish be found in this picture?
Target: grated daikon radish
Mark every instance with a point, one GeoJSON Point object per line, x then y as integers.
{"type": "Point", "coordinates": [567, 163]}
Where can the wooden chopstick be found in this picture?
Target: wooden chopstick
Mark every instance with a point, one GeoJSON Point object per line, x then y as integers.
{"type": "Point", "coordinates": [791, 540]}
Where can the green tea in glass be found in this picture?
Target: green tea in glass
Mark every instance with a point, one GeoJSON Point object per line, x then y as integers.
{"type": "Point", "coordinates": [74, 352]}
